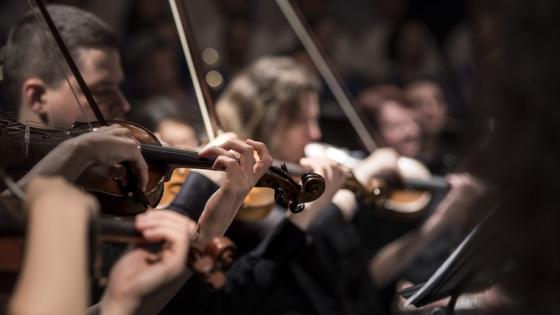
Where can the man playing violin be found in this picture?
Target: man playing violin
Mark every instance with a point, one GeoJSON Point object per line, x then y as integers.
{"type": "Point", "coordinates": [40, 91]}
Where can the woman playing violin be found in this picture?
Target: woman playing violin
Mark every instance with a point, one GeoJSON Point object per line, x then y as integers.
{"type": "Point", "coordinates": [275, 100]}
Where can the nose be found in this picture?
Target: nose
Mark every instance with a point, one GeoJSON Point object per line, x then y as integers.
{"type": "Point", "coordinates": [121, 107]}
{"type": "Point", "coordinates": [314, 131]}
{"type": "Point", "coordinates": [412, 129]}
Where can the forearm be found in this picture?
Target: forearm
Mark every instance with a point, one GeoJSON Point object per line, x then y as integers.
{"type": "Point", "coordinates": [149, 305]}
{"type": "Point", "coordinates": [68, 160]}
{"type": "Point", "coordinates": [398, 255]}
{"type": "Point", "coordinates": [218, 214]}
{"type": "Point", "coordinates": [53, 279]}
{"type": "Point", "coordinates": [154, 303]}
{"type": "Point", "coordinates": [343, 199]}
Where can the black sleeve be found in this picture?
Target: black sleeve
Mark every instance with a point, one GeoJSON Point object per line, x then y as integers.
{"type": "Point", "coordinates": [333, 228]}
{"type": "Point", "coordinates": [194, 194]}
{"type": "Point", "coordinates": [248, 282]}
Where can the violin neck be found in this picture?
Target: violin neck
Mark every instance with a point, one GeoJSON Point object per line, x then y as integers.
{"type": "Point", "coordinates": [435, 183]}
{"type": "Point", "coordinates": [175, 157]}
{"type": "Point", "coordinates": [291, 168]}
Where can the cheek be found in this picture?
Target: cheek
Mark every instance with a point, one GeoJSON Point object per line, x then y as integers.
{"type": "Point", "coordinates": [391, 136]}
{"type": "Point", "coordinates": [290, 144]}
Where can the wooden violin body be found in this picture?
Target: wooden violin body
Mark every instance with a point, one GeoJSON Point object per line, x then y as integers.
{"type": "Point", "coordinates": [25, 146]}
{"type": "Point", "coordinates": [406, 197]}
{"type": "Point", "coordinates": [210, 262]}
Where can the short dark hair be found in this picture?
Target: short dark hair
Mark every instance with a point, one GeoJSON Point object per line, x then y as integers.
{"type": "Point", "coordinates": [27, 52]}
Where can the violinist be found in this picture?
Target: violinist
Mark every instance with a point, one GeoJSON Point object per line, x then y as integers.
{"type": "Point", "coordinates": [285, 115]}
{"type": "Point", "coordinates": [57, 254]}
{"type": "Point", "coordinates": [393, 118]}
{"type": "Point", "coordinates": [43, 96]}
{"type": "Point", "coordinates": [397, 118]}
{"type": "Point", "coordinates": [38, 89]}
{"type": "Point", "coordinates": [282, 99]}
{"type": "Point", "coordinates": [440, 132]}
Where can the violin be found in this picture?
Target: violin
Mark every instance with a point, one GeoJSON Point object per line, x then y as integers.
{"type": "Point", "coordinates": [406, 195]}
{"type": "Point", "coordinates": [210, 263]}
{"type": "Point", "coordinates": [27, 145]}
{"type": "Point", "coordinates": [415, 176]}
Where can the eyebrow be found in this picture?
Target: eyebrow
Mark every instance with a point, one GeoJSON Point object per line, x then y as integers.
{"type": "Point", "coordinates": [104, 84]}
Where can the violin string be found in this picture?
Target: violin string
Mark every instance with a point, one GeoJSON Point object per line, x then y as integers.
{"type": "Point", "coordinates": [27, 138]}
{"type": "Point", "coordinates": [50, 44]}
{"type": "Point", "coordinates": [331, 79]}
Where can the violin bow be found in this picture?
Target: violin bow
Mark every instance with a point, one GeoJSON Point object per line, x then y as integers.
{"type": "Point", "coordinates": [190, 50]}
{"type": "Point", "coordinates": [132, 187]}
{"type": "Point", "coordinates": [332, 79]}
{"type": "Point", "coordinates": [14, 188]}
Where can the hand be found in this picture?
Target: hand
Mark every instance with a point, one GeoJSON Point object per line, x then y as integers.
{"type": "Point", "coordinates": [237, 158]}
{"type": "Point", "coordinates": [57, 194]}
{"type": "Point", "coordinates": [56, 249]}
{"type": "Point", "coordinates": [140, 272]}
{"type": "Point", "coordinates": [242, 172]}
{"type": "Point", "coordinates": [382, 162]}
{"type": "Point", "coordinates": [453, 209]}
{"type": "Point", "coordinates": [216, 177]}
{"type": "Point", "coordinates": [107, 146]}
{"type": "Point", "coordinates": [335, 176]}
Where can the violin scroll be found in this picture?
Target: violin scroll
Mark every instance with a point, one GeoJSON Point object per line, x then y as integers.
{"type": "Point", "coordinates": [288, 192]}
{"type": "Point", "coordinates": [212, 263]}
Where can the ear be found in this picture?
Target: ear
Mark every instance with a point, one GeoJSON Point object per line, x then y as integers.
{"type": "Point", "coordinates": [33, 96]}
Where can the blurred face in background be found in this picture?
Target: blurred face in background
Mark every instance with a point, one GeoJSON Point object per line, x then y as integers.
{"type": "Point", "coordinates": [430, 108]}
{"type": "Point", "coordinates": [291, 137]}
{"type": "Point", "coordinates": [398, 128]}
{"type": "Point", "coordinates": [177, 134]}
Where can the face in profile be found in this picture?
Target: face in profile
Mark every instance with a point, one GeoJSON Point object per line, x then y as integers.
{"type": "Point", "coordinates": [102, 72]}
{"type": "Point", "coordinates": [398, 128]}
{"type": "Point", "coordinates": [291, 137]}
{"type": "Point", "coordinates": [177, 134]}
{"type": "Point", "coordinates": [429, 105]}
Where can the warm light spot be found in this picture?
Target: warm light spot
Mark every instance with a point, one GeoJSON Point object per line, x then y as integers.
{"type": "Point", "coordinates": [214, 79]}
{"type": "Point", "coordinates": [210, 56]}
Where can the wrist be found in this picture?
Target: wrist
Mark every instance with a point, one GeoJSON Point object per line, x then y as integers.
{"type": "Point", "coordinates": [217, 216]}
{"type": "Point", "coordinates": [433, 227]}
{"type": "Point", "coordinates": [346, 201]}
{"type": "Point", "coordinates": [79, 152]}
{"type": "Point", "coordinates": [63, 210]}
{"type": "Point", "coordinates": [116, 306]}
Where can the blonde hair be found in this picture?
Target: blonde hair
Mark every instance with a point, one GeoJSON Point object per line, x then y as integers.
{"type": "Point", "coordinates": [264, 95]}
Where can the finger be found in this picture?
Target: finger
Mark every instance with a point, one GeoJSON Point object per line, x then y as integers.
{"type": "Point", "coordinates": [328, 169]}
{"type": "Point", "coordinates": [139, 165]}
{"type": "Point", "coordinates": [226, 163]}
{"type": "Point", "coordinates": [237, 146]}
{"type": "Point", "coordinates": [265, 159]}
{"type": "Point", "coordinates": [215, 151]}
{"type": "Point", "coordinates": [247, 159]}
{"type": "Point", "coordinates": [219, 140]}
{"type": "Point", "coordinates": [116, 130]}
{"type": "Point", "coordinates": [167, 218]}
{"type": "Point", "coordinates": [176, 244]}
{"type": "Point", "coordinates": [307, 163]}
{"type": "Point", "coordinates": [140, 169]}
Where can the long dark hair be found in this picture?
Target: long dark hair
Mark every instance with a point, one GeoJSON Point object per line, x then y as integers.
{"type": "Point", "coordinates": [519, 62]}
